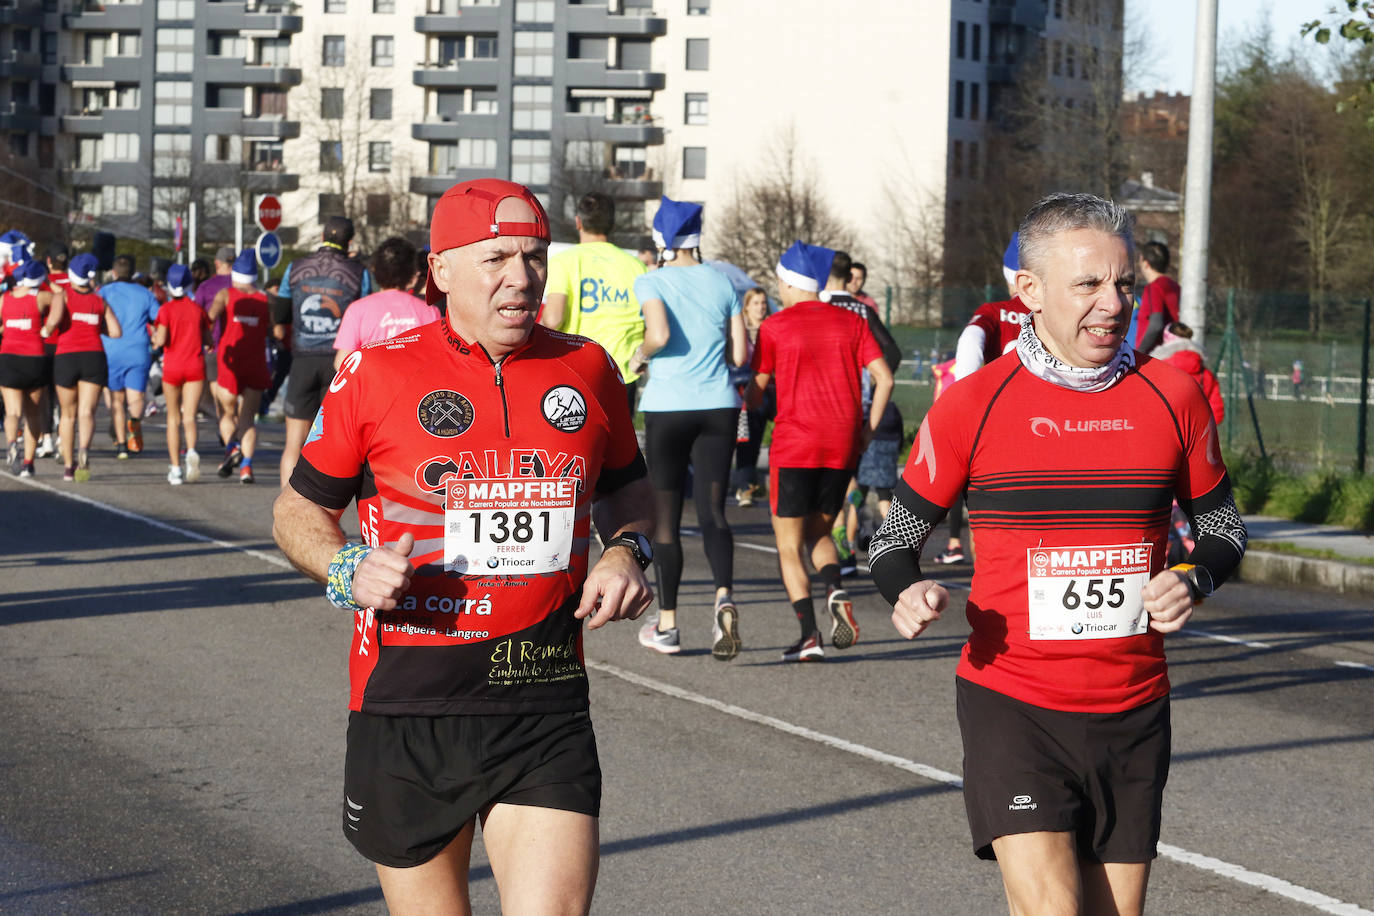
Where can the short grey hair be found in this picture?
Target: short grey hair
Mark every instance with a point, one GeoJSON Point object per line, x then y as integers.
{"type": "Point", "coordinates": [1058, 213]}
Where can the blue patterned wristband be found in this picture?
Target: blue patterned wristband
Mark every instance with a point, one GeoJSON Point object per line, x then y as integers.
{"type": "Point", "coordinates": [339, 587]}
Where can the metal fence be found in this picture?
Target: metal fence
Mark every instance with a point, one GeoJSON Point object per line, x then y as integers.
{"type": "Point", "coordinates": [1294, 372]}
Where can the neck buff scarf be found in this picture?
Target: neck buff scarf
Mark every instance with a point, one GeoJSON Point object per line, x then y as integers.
{"type": "Point", "coordinates": [1042, 363]}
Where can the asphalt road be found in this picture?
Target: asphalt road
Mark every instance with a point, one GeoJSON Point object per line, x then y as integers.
{"type": "Point", "coordinates": [173, 703]}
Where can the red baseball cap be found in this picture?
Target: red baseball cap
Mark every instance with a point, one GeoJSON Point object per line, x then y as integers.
{"type": "Point", "coordinates": [467, 213]}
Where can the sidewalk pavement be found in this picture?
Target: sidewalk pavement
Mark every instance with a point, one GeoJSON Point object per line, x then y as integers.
{"type": "Point", "coordinates": [1346, 563]}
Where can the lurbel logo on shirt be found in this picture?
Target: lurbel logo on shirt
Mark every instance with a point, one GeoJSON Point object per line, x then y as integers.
{"type": "Point", "coordinates": [565, 408]}
{"type": "Point", "coordinates": [1045, 427]}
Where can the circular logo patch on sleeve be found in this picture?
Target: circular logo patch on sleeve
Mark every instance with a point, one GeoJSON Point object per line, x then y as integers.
{"type": "Point", "coordinates": [444, 413]}
{"type": "Point", "coordinates": [565, 408]}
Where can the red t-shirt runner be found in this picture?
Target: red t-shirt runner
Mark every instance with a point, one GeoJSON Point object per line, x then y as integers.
{"type": "Point", "coordinates": [1001, 325]}
{"type": "Point", "coordinates": [183, 358]}
{"type": "Point", "coordinates": [23, 322]}
{"type": "Point", "coordinates": [79, 331]}
{"type": "Point", "coordinates": [1159, 295]}
{"type": "Point", "coordinates": [243, 348]}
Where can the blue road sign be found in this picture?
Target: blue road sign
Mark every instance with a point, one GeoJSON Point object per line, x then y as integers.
{"type": "Point", "coordinates": [269, 250]}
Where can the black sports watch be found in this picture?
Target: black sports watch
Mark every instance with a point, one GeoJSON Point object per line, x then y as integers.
{"type": "Point", "coordinates": [639, 546]}
{"type": "Point", "coordinates": [1199, 580]}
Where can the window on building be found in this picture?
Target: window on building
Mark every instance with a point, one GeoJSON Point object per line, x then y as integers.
{"type": "Point", "coordinates": [23, 40]}
{"type": "Point", "coordinates": [227, 44]}
{"type": "Point", "coordinates": [274, 52]}
{"type": "Point", "coordinates": [331, 156]}
{"type": "Point", "coordinates": [1068, 60]}
{"type": "Point", "coordinates": [97, 46]}
{"type": "Point", "coordinates": [94, 101]}
{"type": "Point", "coordinates": [975, 91]}
{"type": "Point", "coordinates": [335, 51]}
{"type": "Point", "coordinates": [452, 50]}
{"type": "Point", "coordinates": [586, 106]}
{"type": "Point", "coordinates": [130, 44]}
{"type": "Point", "coordinates": [331, 104]}
{"type": "Point", "coordinates": [88, 202]}
{"type": "Point", "coordinates": [383, 50]}
{"type": "Point", "coordinates": [1057, 67]}
{"type": "Point", "coordinates": [120, 198]}
{"type": "Point", "coordinates": [1058, 9]}
{"type": "Point", "coordinates": [630, 162]}
{"type": "Point", "coordinates": [331, 205]}
{"type": "Point", "coordinates": [378, 209]}
{"type": "Point", "coordinates": [698, 54]}
{"type": "Point", "coordinates": [533, 54]}
{"type": "Point", "coordinates": [534, 10]}
{"type": "Point", "coordinates": [171, 155]}
{"type": "Point", "coordinates": [698, 109]}
{"type": "Point", "coordinates": [88, 157]}
{"type": "Point", "coordinates": [47, 99]}
{"type": "Point", "coordinates": [265, 155]}
{"type": "Point", "coordinates": [220, 203]}
{"type": "Point", "coordinates": [172, 102]}
{"type": "Point", "coordinates": [694, 162]}
{"type": "Point", "coordinates": [336, 6]}
{"type": "Point", "coordinates": [176, 9]}
{"type": "Point", "coordinates": [529, 161]}
{"type": "Point", "coordinates": [48, 43]}
{"type": "Point", "coordinates": [698, 7]}
{"type": "Point", "coordinates": [958, 98]}
{"type": "Point", "coordinates": [467, 153]}
{"type": "Point", "coordinates": [959, 36]}
{"type": "Point", "coordinates": [175, 50]}
{"type": "Point", "coordinates": [127, 96]}
{"type": "Point", "coordinates": [956, 164]}
{"type": "Point", "coordinates": [976, 45]}
{"type": "Point", "coordinates": [379, 105]}
{"type": "Point", "coordinates": [531, 107]}
{"type": "Point", "coordinates": [379, 156]}
{"type": "Point", "coordinates": [383, 6]}
{"type": "Point", "coordinates": [484, 101]}
{"type": "Point", "coordinates": [584, 156]}
{"type": "Point", "coordinates": [634, 55]}
{"type": "Point", "coordinates": [272, 102]}
{"type": "Point", "coordinates": [223, 148]}
{"type": "Point", "coordinates": [19, 143]}
{"type": "Point", "coordinates": [448, 103]}
{"type": "Point", "coordinates": [588, 47]}
{"type": "Point", "coordinates": [973, 160]}
{"type": "Point", "coordinates": [120, 147]}
{"type": "Point", "coordinates": [484, 47]}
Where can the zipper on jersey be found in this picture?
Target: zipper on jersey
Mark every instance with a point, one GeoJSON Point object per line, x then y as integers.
{"type": "Point", "coordinates": [505, 408]}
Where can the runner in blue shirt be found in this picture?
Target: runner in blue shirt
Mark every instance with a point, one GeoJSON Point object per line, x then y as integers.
{"type": "Point", "coordinates": [130, 355]}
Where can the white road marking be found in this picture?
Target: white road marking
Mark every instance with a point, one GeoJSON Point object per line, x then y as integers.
{"type": "Point", "coordinates": [1360, 665]}
{"type": "Point", "coordinates": [1269, 883]}
{"type": "Point", "coordinates": [1203, 634]}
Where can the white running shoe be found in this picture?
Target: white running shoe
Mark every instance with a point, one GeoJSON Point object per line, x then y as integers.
{"type": "Point", "coordinates": [192, 465]}
{"type": "Point", "coordinates": [45, 448]}
{"type": "Point", "coordinates": [174, 475]}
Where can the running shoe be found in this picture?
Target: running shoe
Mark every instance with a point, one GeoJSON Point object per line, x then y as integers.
{"type": "Point", "coordinates": [27, 470]}
{"type": "Point", "coordinates": [725, 643]}
{"type": "Point", "coordinates": [744, 496]}
{"type": "Point", "coordinates": [12, 458]}
{"type": "Point", "coordinates": [192, 465]}
{"type": "Point", "coordinates": [83, 466]}
{"type": "Point", "coordinates": [669, 642]}
{"type": "Point", "coordinates": [232, 459]}
{"type": "Point", "coordinates": [246, 474]}
{"type": "Point", "coordinates": [174, 476]}
{"type": "Point", "coordinates": [45, 448]}
{"type": "Point", "coordinates": [135, 436]}
{"type": "Point", "coordinates": [806, 649]}
{"type": "Point", "coordinates": [951, 555]}
{"type": "Point", "coordinates": [844, 629]}
{"type": "Point", "coordinates": [123, 453]}
{"type": "Point", "coordinates": [69, 472]}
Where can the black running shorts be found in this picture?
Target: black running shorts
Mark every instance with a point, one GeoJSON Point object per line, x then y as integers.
{"type": "Point", "coordinates": [305, 386]}
{"type": "Point", "coordinates": [25, 372]}
{"type": "Point", "coordinates": [411, 783]}
{"type": "Point", "coordinates": [1099, 776]}
{"type": "Point", "coordinates": [799, 492]}
{"type": "Point", "coordinates": [86, 366]}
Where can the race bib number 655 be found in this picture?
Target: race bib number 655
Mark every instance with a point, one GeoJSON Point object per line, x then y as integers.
{"type": "Point", "coordinates": [509, 526]}
{"type": "Point", "coordinates": [1087, 592]}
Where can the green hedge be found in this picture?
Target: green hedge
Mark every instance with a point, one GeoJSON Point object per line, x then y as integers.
{"type": "Point", "coordinates": [1329, 497]}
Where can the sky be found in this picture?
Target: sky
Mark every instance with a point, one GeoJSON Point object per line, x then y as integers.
{"type": "Point", "coordinates": [1173, 43]}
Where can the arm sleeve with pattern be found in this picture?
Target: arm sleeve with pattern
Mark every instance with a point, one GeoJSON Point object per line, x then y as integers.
{"type": "Point", "coordinates": [894, 554]}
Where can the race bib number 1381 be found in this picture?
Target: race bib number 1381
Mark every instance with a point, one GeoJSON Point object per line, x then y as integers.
{"type": "Point", "coordinates": [509, 526]}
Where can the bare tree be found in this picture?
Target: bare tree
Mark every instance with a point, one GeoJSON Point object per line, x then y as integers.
{"type": "Point", "coordinates": [772, 207]}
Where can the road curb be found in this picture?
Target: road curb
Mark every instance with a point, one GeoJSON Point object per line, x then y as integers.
{"type": "Point", "coordinates": [1268, 568]}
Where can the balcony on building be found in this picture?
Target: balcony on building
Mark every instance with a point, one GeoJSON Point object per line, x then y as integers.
{"type": "Point", "coordinates": [220, 15]}
{"type": "Point", "coordinates": [1029, 16]}
{"type": "Point", "coordinates": [595, 74]}
{"type": "Point", "coordinates": [91, 16]}
{"type": "Point", "coordinates": [21, 65]}
{"type": "Point", "coordinates": [444, 17]}
{"type": "Point", "coordinates": [438, 184]}
{"type": "Point", "coordinates": [18, 116]}
{"type": "Point", "coordinates": [621, 129]}
{"type": "Point", "coordinates": [104, 121]}
{"type": "Point", "coordinates": [238, 72]}
{"type": "Point", "coordinates": [110, 173]}
{"type": "Point", "coordinates": [449, 127]}
{"type": "Point", "coordinates": [598, 19]}
{"type": "Point", "coordinates": [460, 74]}
{"type": "Point", "coordinates": [20, 12]}
{"type": "Point", "coordinates": [113, 69]}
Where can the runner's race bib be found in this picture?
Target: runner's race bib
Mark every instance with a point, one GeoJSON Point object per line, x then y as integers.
{"type": "Point", "coordinates": [1087, 592]}
{"type": "Point", "coordinates": [511, 526]}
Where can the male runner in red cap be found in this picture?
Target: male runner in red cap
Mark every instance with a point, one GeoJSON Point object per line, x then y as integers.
{"type": "Point", "coordinates": [479, 448]}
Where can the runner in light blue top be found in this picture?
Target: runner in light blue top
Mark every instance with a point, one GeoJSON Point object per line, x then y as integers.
{"type": "Point", "coordinates": [130, 355]}
{"type": "Point", "coordinates": [692, 325]}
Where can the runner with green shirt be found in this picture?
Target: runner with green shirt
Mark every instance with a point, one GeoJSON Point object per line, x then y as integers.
{"type": "Point", "coordinates": [591, 289]}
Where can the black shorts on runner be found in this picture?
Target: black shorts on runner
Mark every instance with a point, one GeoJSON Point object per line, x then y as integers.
{"type": "Point", "coordinates": [305, 388]}
{"type": "Point", "coordinates": [411, 783]}
{"type": "Point", "coordinates": [799, 492]}
{"type": "Point", "coordinates": [24, 372]}
{"type": "Point", "coordinates": [87, 366]}
{"type": "Point", "coordinates": [1099, 776]}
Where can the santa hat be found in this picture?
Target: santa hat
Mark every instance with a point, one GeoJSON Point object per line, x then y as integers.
{"type": "Point", "coordinates": [82, 269]}
{"type": "Point", "coordinates": [32, 274]}
{"type": "Point", "coordinates": [806, 267]}
{"type": "Point", "coordinates": [245, 268]}
{"type": "Point", "coordinates": [178, 278]}
{"type": "Point", "coordinates": [1011, 258]}
{"type": "Point", "coordinates": [677, 224]}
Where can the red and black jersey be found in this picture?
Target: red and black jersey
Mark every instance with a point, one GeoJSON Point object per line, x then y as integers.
{"type": "Point", "coordinates": [79, 331]}
{"type": "Point", "coordinates": [1055, 475]}
{"type": "Point", "coordinates": [1001, 324]}
{"type": "Point", "coordinates": [405, 423]}
{"type": "Point", "coordinates": [1160, 295]}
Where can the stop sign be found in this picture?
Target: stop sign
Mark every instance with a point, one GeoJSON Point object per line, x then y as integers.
{"type": "Point", "coordinates": [269, 212]}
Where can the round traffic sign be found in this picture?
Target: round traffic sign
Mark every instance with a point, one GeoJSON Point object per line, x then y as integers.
{"type": "Point", "coordinates": [269, 250]}
{"type": "Point", "coordinates": [269, 212]}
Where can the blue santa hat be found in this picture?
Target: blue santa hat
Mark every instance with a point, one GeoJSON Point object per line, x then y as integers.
{"type": "Point", "coordinates": [1011, 258]}
{"type": "Point", "coordinates": [806, 267]}
{"type": "Point", "coordinates": [178, 278]}
{"type": "Point", "coordinates": [32, 273]}
{"type": "Point", "coordinates": [677, 224]}
{"type": "Point", "coordinates": [82, 269]}
{"type": "Point", "coordinates": [245, 268]}
{"type": "Point", "coordinates": [15, 247]}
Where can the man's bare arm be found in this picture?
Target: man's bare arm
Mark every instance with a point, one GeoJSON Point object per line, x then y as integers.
{"type": "Point", "coordinates": [308, 533]}
{"type": "Point", "coordinates": [555, 308]}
